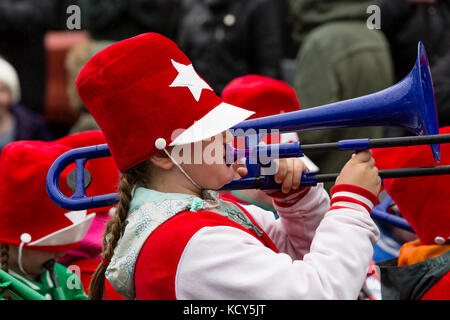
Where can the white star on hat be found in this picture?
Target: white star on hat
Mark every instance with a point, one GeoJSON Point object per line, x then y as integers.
{"type": "Point", "coordinates": [187, 77]}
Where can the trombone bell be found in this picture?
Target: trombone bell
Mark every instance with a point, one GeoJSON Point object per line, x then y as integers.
{"type": "Point", "coordinates": [409, 104]}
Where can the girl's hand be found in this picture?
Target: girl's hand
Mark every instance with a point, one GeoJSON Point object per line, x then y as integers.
{"type": "Point", "coordinates": [289, 173]}
{"type": "Point", "coordinates": [361, 171]}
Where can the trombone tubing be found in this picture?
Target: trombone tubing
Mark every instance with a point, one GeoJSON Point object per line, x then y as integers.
{"type": "Point", "coordinates": [396, 173]}
{"type": "Point", "coordinates": [363, 144]}
{"type": "Point", "coordinates": [19, 288]}
{"type": "Point", "coordinates": [295, 149]}
{"type": "Point", "coordinates": [311, 178]}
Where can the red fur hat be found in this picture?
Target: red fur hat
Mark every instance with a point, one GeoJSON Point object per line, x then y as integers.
{"type": "Point", "coordinates": [28, 214]}
{"type": "Point", "coordinates": [423, 201]}
{"type": "Point", "coordinates": [266, 96]}
{"type": "Point", "coordinates": [143, 91]}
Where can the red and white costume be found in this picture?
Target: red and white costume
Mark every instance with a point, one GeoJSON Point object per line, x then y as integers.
{"type": "Point", "coordinates": [311, 252]}
{"type": "Point", "coordinates": [141, 91]}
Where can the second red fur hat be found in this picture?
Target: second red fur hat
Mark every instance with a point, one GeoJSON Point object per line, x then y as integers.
{"type": "Point", "coordinates": [28, 215]}
{"type": "Point", "coordinates": [264, 95]}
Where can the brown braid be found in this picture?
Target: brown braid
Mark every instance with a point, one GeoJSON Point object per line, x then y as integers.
{"type": "Point", "coordinates": [4, 257]}
{"type": "Point", "coordinates": [138, 176]}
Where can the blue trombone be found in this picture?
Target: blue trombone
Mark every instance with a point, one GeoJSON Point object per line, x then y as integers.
{"type": "Point", "coordinates": [410, 104]}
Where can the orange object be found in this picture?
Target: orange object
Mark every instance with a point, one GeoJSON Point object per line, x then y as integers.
{"type": "Point", "coordinates": [57, 45]}
{"type": "Point", "coordinates": [413, 252]}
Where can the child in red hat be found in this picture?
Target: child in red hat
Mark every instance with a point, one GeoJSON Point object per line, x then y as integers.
{"type": "Point", "coordinates": [35, 231]}
{"type": "Point", "coordinates": [422, 269]}
{"type": "Point", "coordinates": [172, 236]}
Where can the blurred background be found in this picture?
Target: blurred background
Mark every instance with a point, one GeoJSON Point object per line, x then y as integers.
{"type": "Point", "coordinates": [325, 49]}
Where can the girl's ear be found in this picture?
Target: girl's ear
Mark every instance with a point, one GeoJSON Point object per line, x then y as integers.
{"type": "Point", "coordinates": [162, 161]}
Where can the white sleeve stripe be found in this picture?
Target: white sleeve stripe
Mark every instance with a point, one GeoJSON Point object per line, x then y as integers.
{"type": "Point", "coordinates": [354, 196]}
{"type": "Point", "coordinates": [350, 205]}
{"type": "Point", "coordinates": [343, 210]}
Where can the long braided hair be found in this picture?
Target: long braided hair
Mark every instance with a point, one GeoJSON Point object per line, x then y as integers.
{"type": "Point", "coordinates": [138, 176]}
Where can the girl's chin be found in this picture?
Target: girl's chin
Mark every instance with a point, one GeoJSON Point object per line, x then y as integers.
{"type": "Point", "coordinates": [227, 178]}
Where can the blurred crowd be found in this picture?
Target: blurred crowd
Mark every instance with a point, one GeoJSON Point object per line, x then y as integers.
{"type": "Point", "coordinates": [325, 49]}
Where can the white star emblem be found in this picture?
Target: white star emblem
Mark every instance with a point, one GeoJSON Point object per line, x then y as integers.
{"type": "Point", "coordinates": [187, 77]}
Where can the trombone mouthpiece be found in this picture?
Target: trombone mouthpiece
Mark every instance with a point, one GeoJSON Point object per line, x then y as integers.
{"type": "Point", "coordinates": [232, 154]}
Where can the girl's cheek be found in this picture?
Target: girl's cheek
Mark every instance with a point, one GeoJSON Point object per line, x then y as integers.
{"type": "Point", "coordinates": [35, 261]}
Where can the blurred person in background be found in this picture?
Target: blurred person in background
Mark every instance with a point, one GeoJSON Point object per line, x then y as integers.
{"type": "Point", "coordinates": [108, 21]}
{"type": "Point", "coordinates": [75, 60]}
{"type": "Point", "coordinates": [16, 121]}
{"type": "Point", "coordinates": [339, 58]}
{"type": "Point", "coordinates": [23, 24]}
{"type": "Point", "coordinates": [120, 19]}
{"type": "Point", "coordinates": [226, 39]}
{"type": "Point", "coordinates": [441, 80]}
{"type": "Point", "coordinates": [405, 23]}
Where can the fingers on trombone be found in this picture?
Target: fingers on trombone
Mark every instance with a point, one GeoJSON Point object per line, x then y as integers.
{"type": "Point", "coordinates": [284, 174]}
{"type": "Point", "coordinates": [299, 167]}
{"type": "Point", "coordinates": [372, 162]}
{"type": "Point", "coordinates": [289, 173]}
{"type": "Point", "coordinates": [288, 179]}
{"type": "Point", "coordinates": [280, 171]}
{"type": "Point", "coordinates": [376, 172]}
{"type": "Point", "coordinates": [362, 156]}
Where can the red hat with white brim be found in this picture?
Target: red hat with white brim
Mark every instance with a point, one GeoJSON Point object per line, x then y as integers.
{"type": "Point", "coordinates": [29, 218]}
{"type": "Point", "coordinates": [145, 94]}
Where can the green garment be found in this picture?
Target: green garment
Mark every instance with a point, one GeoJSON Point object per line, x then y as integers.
{"type": "Point", "coordinates": [68, 281]}
{"type": "Point", "coordinates": [309, 14]}
{"type": "Point", "coordinates": [413, 281]}
{"type": "Point", "coordinates": [339, 59]}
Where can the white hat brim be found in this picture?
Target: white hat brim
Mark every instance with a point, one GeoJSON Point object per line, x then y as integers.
{"type": "Point", "coordinates": [218, 120]}
{"type": "Point", "coordinates": [68, 235]}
